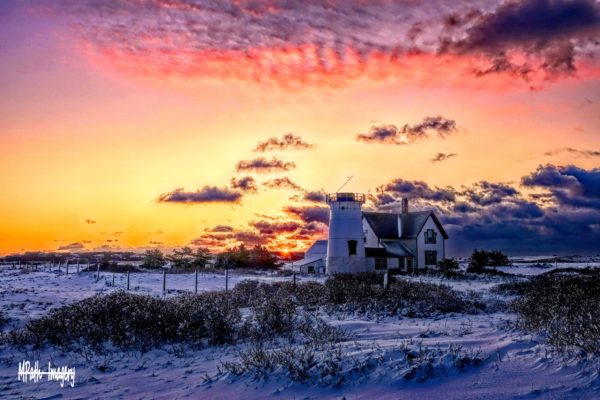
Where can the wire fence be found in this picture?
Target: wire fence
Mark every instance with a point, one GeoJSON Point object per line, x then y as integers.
{"type": "Point", "coordinates": [160, 281]}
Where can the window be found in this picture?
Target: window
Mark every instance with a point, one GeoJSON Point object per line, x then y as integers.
{"type": "Point", "coordinates": [430, 236]}
{"type": "Point", "coordinates": [431, 258]}
{"type": "Point", "coordinates": [409, 263]}
{"type": "Point", "coordinates": [311, 269]}
{"type": "Point", "coordinates": [381, 263]}
{"type": "Point", "coordinates": [352, 247]}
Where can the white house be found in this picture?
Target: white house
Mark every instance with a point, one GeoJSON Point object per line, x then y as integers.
{"type": "Point", "coordinates": [361, 241]}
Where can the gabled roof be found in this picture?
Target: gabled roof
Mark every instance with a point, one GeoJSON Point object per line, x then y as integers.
{"type": "Point", "coordinates": [319, 247]}
{"type": "Point", "coordinates": [385, 225]}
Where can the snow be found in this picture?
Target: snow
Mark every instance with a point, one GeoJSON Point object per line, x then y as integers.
{"type": "Point", "coordinates": [515, 365]}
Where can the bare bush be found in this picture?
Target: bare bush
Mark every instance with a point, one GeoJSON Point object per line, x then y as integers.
{"type": "Point", "coordinates": [565, 307]}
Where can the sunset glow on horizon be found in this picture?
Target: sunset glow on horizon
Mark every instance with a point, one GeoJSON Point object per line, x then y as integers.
{"type": "Point", "coordinates": [134, 125]}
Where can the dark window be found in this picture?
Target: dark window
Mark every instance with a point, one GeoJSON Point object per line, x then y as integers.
{"type": "Point", "coordinates": [381, 263]}
{"type": "Point", "coordinates": [311, 269]}
{"type": "Point", "coordinates": [430, 236]}
{"type": "Point", "coordinates": [409, 263]}
{"type": "Point", "coordinates": [352, 247]}
{"type": "Point", "coordinates": [431, 258]}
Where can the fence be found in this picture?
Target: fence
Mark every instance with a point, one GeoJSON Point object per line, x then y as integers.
{"type": "Point", "coordinates": [157, 282]}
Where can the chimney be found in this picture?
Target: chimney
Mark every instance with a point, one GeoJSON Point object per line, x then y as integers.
{"type": "Point", "coordinates": [404, 205]}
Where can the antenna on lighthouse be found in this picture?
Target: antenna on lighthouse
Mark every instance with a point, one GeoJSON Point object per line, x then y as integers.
{"type": "Point", "coordinates": [345, 183]}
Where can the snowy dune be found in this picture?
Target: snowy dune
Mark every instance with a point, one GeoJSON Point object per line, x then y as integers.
{"type": "Point", "coordinates": [515, 365]}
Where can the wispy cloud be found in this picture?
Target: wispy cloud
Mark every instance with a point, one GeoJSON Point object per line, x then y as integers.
{"type": "Point", "coordinates": [443, 157]}
{"type": "Point", "coordinates": [262, 165]}
{"type": "Point", "coordinates": [282, 183]}
{"type": "Point", "coordinates": [576, 152]}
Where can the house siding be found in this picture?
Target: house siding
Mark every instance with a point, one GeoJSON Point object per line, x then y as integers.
{"type": "Point", "coordinates": [422, 247]}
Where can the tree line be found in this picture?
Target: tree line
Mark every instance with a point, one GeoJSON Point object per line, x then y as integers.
{"type": "Point", "coordinates": [234, 258]}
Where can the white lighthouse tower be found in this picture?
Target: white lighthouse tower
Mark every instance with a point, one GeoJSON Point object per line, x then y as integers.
{"type": "Point", "coordinates": [346, 244]}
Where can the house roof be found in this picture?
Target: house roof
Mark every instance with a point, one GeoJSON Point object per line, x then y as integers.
{"type": "Point", "coordinates": [385, 225]}
{"type": "Point", "coordinates": [397, 249]}
{"type": "Point", "coordinates": [319, 247]}
{"type": "Point", "coordinates": [389, 249]}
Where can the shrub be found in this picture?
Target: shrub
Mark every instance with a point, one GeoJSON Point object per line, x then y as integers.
{"type": "Point", "coordinates": [565, 307]}
{"type": "Point", "coordinates": [130, 321]}
{"type": "Point", "coordinates": [482, 258]}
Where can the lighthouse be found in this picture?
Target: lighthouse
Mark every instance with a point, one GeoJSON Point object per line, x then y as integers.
{"type": "Point", "coordinates": [346, 244]}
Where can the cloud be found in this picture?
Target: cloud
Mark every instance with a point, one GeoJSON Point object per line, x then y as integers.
{"type": "Point", "coordinates": [287, 142]}
{"type": "Point", "coordinates": [552, 31]}
{"type": "Point", "coordinates": [208, 194]}
{"type": "Point", "coordinates": [315, 196]}
{"type": "Point", "coordinates": [245, 184]}
{"type": "Point", "coordinates": [220, 228]}
{"type": "Point", "coordinates": [409, 133]}
{"type": "Point", "coordinates": [282, 183]}
{"type": "Point", "coordinates": [570, 185]}
{"type": "Point", "coordinates": [309, 213]}
{"type": "Point", "coordinates": [275, 227]}
{"type": "Point", "coordinates": [495, 215]}
{"type": "Point", "coordinates": [570, 150]}
{"type": "Point", "coordinates": [322, 42]}
{"type": "Point", "coordinates": [90, 221]}
{"type": "Point", "coordinates": [262, 165]}
{"type": "Point", "coordinates": [72, 247]}
{"type": "Point", "coordinates": [443, 157]}
{"type": "Point", "coordinates": [399, 188]}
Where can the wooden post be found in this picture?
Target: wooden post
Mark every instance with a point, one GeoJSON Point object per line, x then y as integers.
{"type": "Point", "coordinates": [77, 267]}
{"type": "Point", "coordinates": [164, 282]}
{"type": "Point", "coordinates": [294, 275]}
{"type": "Point", "coordinates": [128, 280]}
{"type": "Point", "coordinates": [98, 271]}
{"type": "Point", "coordinates": [196, 284]}
{"type": "Point", "coordinates": [226, 280]}
{"type": "Point", "coordinates": [113, 282]}
{"type": "Point", "coordinates": [67, 267]}
{"type": "Point", "coordinates": [385, 281]}
{"type": "Point", "coordinates": [58, 267]}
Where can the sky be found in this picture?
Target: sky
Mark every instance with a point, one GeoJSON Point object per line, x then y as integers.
{"type": "Point", "coordinates": [133, 124]}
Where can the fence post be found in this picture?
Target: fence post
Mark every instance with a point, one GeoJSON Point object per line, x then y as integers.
{"type": "Point", "coordinates": [78, 267]}
{"type": "Point", "coordinates": [113, 282]}
{"type": "Point", "coordinates": [196, 284]}
{"type": "Point", "coordinates": [226, 280]}
{"type": "Point", "coordinates": [127, 280]}
{"type": "Point", "coordinates": [294, 275]}
{"type": "Point", "coordinates": [164, 282]}
{"type": "Point", "coordinates": [98, 271]}
{"type": "Point", "coordinates": [385, 281]}
{"type": "Point", "coordinates": [67, 268]}
{"type": "Point", "coordinates": [58, 267]}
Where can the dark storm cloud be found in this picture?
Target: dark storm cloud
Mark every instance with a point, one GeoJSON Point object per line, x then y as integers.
{"type": "Point", "coordinates": [550, 29]}
{"type": "Point", "coordinates": [282, 183]}
{"type": "Point", "coordinates": [309, 213]}
{"type": "Point", "coordinates": [262, 165]}
{"type": "Point", "coordinates": [570, 185]}
{"type": "Point", "coordinates": [245, 184]}
{"type": "Point", "coordinates": [399, 188]}
{"type": "Point", "coordinates": [287, 142]}
{"type": "Point", "coordinates": [485, 193]}
{"type": "Point", "coordinates": [566, 218]}
{"type": "Point", "coordinates": [409, 133]}
{"type": "Point", "coordinates": [208, 194]}
{"type": "Point", "coordinates": [443, 157]}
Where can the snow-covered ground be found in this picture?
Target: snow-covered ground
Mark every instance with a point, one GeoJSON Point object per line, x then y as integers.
{"type": "Point", "coordinates": [515, 365]}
